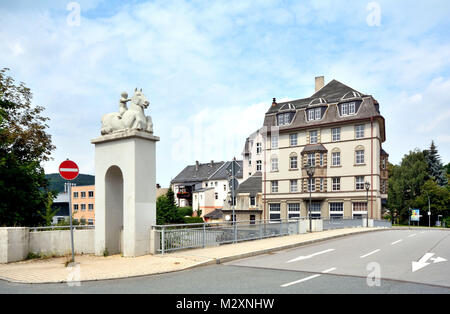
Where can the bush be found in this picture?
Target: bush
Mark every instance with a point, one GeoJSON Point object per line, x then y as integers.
{"type": "Point", "coordinates": [193, 220]}
{"type": "Point", "coordinates": [185, 211]}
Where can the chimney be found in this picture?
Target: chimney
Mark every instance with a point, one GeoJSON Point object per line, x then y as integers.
{"type": "Point", "coordinates": [212, 163]}
{"type": "Point", "coordinates": [274, 102]}
{"type": "Point", "coordinates": [196, 165]}
{"type": "Point", "coordinates": [320, 82]}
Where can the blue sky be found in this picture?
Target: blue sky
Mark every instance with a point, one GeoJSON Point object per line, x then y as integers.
{"type": "Point", "coordinates": [211, 68]}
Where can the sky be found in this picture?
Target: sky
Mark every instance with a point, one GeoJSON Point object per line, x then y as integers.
{"type": "Point", "coordinates": [211, 68]}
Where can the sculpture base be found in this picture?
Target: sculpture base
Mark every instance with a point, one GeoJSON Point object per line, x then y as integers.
{"type": "Point", "coordinates": [125, 187]}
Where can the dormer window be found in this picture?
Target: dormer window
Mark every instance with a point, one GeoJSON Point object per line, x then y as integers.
{"type": "Point", "coordinates": [315, 114]}
{"type": "Point", "coordinates": [349, 108]}
{"type": "Point", "coordinates": [285, 118]}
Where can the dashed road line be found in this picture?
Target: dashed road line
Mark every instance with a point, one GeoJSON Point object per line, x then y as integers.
{"type": "Point", "coordinates": [299, 281]}
{"type": "Point", "coordinates": [373, 252]}
{"type": "Point", "coordinates": [395, 242]}
{"type": "Point", "coordinates": [412, 235]}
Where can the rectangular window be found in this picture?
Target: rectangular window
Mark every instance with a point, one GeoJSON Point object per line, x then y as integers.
{"type": "Point", "coordinates": [336, 159]}
{"type": "Point", "coordinates": [90, 222]}
{"type": "Point", "coordinates": [91, 194]}
{"type": "Point", "coordinates": [294, 187]}
{"type": "Point", "coordinates": [383, 163]}
{"type": "Point", "coordinates": [313, 137]}
{"type": "Point", "coordinates": [83, 207]}
{"type": "Point", "coordinates": [315, 210]}
{"type": "Point", "coordinates": [359, 210]}
{"type": "Point", "coordinates": [359, 183]}
{"type": "Point", "coordinates": [252, 219]}
{"type": "Point", "coordinates": [359, 157]}
{"type": "Point", "coordinates": [274, 141]}
{"type": "Point", "coordinates": [252, 201]}
{"type": "Point", "coordinates": [224, 187]}
{"type": "Point", "coordinates": [294, 210]}
{"type": "Point", "coordinates": [359, 130]}
{"type": "Point", "coordinates": [274, 212]}
{"type": "Point", "coordinates": [336, 184]}
{"type": "Point", "coordinates": [258, 165]}
{"type": "Point", "coordinates": [321, 184]}
{"type": "Point", "coordinates": [75, 207]}
{"type": "Point", "coordinates": [293, 162]}
{"type": "Point", "coordinates": [274, 186]}
{"type": "Point", "coordinates": [75, 194]}
{"type": "Point", "coordinates": [274, 164]}
{"type": "Point", "coordinates": [293, 141]}
{"type": "Point", "coordinates": [310, 115]}
{"type": "Point", "coordinates": [83, 194]}
{"type": "Point", "coordinates": [336, 210]}
{"type": "Point", "coordinates": [216, 195]}
{"type": "Point", "coordinates": [318, 114]}
{"type": "Point", "coordinates": [311, 159]}
{"type": "Point", "coordinates": [258, 148]}
{"type": "Point", "coordinates": [336, 134]}
{"type": "Point", "coordinates": [351, 108]}
{"type": "Point", "coordinates": [312, 185]}
{"type": "Point", "coordinates": [345, 109]}
{"type": "Point", "coordinates": [321, 159]}
{"type": "Point", "coordinates": [90, 207]}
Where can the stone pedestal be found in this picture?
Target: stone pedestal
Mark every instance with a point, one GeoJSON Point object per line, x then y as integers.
{"type": "Point", "coordinates": [125, 187]}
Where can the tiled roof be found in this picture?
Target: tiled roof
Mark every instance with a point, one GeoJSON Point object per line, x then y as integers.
{"type": "Point", "coordinates": [221, 173]}
{"type": "Point", "coordinates": [314, 148]}
{"type": "Point", "coordinates": [216, 214]}
{"type": "Point", "coordinates": [252, 185]}
{"type": "Point", "coordinates": [192, 174]}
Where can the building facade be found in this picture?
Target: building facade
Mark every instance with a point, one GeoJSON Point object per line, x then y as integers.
{"type": "Point", "coordinates": [339, 132]}
{"type": "Point", "coordinates": [83, 204]}
{"type": "Point", "coordinates": [204, 187]}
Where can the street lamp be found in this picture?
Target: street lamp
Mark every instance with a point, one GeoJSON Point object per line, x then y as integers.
{"type": "Point", "coordinates": [367, 185]}
{"type": "Point", "coordinates": [310, 172]}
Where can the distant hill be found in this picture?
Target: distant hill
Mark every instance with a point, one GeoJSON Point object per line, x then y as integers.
{"type": "Point", "coordinates": [57, 183]}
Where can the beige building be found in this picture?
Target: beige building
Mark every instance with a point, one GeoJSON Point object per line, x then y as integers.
{"type": "Point", "coordinates": [339, 132]}
{"type": "Point", "coordinates": [83, 204]}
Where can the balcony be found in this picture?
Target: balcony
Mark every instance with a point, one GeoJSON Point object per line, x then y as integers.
{"type": "Point", "coordinates": [184, 195]}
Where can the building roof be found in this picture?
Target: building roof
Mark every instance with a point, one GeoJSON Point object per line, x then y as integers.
{"type": "Point", "coordinates": [252, 185]}
{"type": "Point", "coordinates": [221, 173]}
{"type": "Point", "coordinates": [215, 214]}
{"type": "Point", "coordinates": [314, 148]}
{"type": "Point", "coordinates": [332, 92]}
{"type": "Point", "coordinates": [203, 172]}
{"type": "Point", "coordinates": [197, 173]}
{"type": "Point", "coordinates": [329, 96]}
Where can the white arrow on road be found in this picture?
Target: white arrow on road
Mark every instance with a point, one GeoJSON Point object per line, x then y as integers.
{"type": "Point", "coordinates": [300, 258]}
{"type": "Point", "coordinates": [423, 261]}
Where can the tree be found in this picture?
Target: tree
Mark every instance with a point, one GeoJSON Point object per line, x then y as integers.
{"type": "Point", "coordinates": [405, 183]}
{"type": "Point", "coordinates": [166, 210]}
{"type": "Point", "coordinates": [439, 199]}
{"type": "Point", "coordinates": [435, 167]}
{"type": "Point", "coordinates": [24, 144]}
{"type": "Point", "coordinates": [49, 212]}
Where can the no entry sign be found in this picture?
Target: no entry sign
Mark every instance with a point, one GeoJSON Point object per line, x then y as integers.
{"type": "Point", "coordinates": [68, 170]}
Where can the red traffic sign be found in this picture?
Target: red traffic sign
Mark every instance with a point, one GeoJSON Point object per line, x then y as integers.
{"type": "Point", "coordinates": [68, 170]}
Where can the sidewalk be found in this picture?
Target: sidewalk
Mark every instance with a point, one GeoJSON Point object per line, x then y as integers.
{"type": "Point", "coordinates": [115, 267]}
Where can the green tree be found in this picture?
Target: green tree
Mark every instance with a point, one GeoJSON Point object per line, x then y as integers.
{"type": "Point", "coordinates": [24, 144]}
{"type": "Point", "coordinates": [166, 210]}
{"type": "Point", "coordinates": [405, 183]}
{"type": "Point", "coordinates": [49, 212]}
{"type": "Point", "coordinates": [435, 167]}
{"type": "Point", "coordinates": [439, 199]}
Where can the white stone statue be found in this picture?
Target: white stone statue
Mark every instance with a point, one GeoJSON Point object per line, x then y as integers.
{"type": "Point", "coordinates": [128, 118]}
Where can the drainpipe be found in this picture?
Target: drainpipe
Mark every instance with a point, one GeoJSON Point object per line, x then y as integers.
{"type": "Point", "coordinates": [371, 167]}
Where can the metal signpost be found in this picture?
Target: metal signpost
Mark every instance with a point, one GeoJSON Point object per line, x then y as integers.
{"type": "Point", "coordinates": [68, 170]}
{"type": "Point", "coordinates": [232, 170]}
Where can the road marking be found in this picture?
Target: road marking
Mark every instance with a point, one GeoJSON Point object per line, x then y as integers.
{"type": "Point", "coordinates": [309, 256]}
{"type": "Point", "coordinates": [412, 235]}
{"type": "Point", "coordinates": [373, 252]}
{"type": "Point", "coordinates": [299, 281]}
{"type": "Point", "coordinates": [329, 270]}
{"type": "Point", "coordinates": [398, 241]}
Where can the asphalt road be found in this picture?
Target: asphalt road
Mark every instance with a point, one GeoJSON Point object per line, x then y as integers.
{"type": "Point", "coordinates": [379, 262]}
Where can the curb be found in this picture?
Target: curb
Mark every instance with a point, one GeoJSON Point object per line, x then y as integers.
{"type": "Point", "coordinates": [211, 261]}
